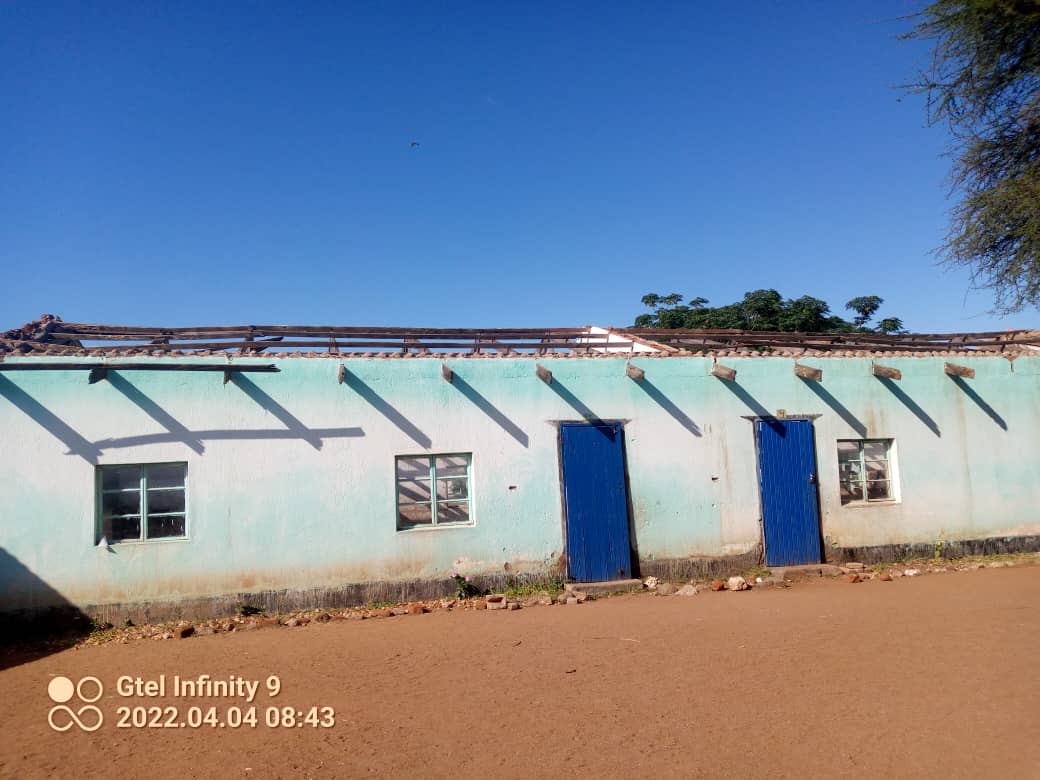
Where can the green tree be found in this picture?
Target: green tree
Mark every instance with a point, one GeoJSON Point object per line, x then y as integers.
{"type": "Point", "coordinates": [984, 85]}
{"type": "Point", "coordinates": [764, 310]}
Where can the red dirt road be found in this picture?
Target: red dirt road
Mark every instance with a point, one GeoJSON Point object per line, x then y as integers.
{"type": "Point", "coordinates": [926, 677]}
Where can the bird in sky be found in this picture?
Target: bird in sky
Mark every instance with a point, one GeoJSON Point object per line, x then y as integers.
{"type": "Point", "coordinates": [413, 144]}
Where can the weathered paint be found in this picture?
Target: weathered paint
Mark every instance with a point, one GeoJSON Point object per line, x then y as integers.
{"type": "Point", "coordinates": [292, 474]}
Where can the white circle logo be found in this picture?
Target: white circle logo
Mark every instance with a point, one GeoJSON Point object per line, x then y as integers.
{"type": "Point", "coordinates": [62, 689]}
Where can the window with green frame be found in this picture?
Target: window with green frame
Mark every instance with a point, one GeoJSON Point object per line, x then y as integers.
{"type": "Point", "coordinates": [865, 470]}
{"type": "Point", "coordinates": [141, 502]}
{"type": "Point", "coordinates": [433, 490]}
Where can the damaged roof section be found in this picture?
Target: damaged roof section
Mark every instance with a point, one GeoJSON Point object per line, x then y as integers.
{"type": "Point", "coordinates": [51, 336]}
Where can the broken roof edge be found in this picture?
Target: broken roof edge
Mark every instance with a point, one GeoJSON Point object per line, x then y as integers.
{"type": "Point", "coordinates": [51, 336]}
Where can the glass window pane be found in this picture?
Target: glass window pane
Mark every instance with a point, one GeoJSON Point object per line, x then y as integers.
{"type": "Point", "coordinates": [414, 514]}
{"type": "Point", "coordinates": [851, 491]}
{"type": "Point", "coordinates": [878, 491]}
{"type": "Point", "coordinates": [169, 475]}
{"type": "Point", "coordinates": [848, 450]}
{"type": "Point", "coordinates": [126, 503]}
{"type": "Point", "coordinates": [452, 512]}
{"type": "Point", "coordinates": [876, 470]}
{"type": "Point", "coordinates": [849, 471]}
{"type": "Point", "coordinates": [452, 465]}
{"type": "Point", "coordinates": [412, 491]}
{"type": "Point", "coordinates": [165, 526]}
{"type": "Point", "coordinates": [413, 467]}
{"type": "Point", "coordinates": [452, 488]}
{"type": "Point", "coordinates": [875, 450]}
{"type": "Point", "coordinates": [117, 529]}
{"type": "Point", "coordinates": [120, 477]}
{"type": "Point", "coordinates": [165, 501]}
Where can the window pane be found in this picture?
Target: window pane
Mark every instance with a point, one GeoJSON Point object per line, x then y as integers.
{"type": "Point", "coordinates": [452, 512]}
{"type": "Point", "coordinates": [165, 526]}
{"type": "Point", "coordinates": [171, 475]}
{"type": "Point", "coordinates": [413, 467]}
{"type": "Point", "coordinates": [117, 529]}
{"type": "Point", "coordinates": [878, 491]}
{"type": "Point", "coordinates": [848, 450]}
{"type": "Point", "coordinates": [414, 514]}
{"type": "Point", "coordinates": [126, 503]}
{"type": "Point", "coordinates": [452, 488]}
{"type": "Point", "coordinates": [165, 501]}
{"type": "Point", "coordinates": [413, 490]}
{"type": "Point", "coordinates": [877, 470]}
{"type": "Point", "coordinates": [120, 477]}
{"type": "Point", "coordinates": [452, 465]}
{"type": "Point", "coordinates": [849, 472]}
{"type": "Point", "coordinates": [851, 491]}
{"type": "Point", "coordinates": [875, 450]}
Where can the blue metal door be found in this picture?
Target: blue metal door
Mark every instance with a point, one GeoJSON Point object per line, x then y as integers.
{"type": "Point", "coordinates": [595, 501]}
{"type": "Point", "coordinates": [787, 476]}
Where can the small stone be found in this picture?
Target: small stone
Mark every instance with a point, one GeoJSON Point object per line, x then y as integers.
{"type": "Point", "coordinates": [533, 601]}
{"type": "Point", "coordinates": [322, 617]}
{"type": "Point", "coordinates": [885, 577]}
{"type": "Point", "coordinates": [497, 604]}
{"type": "Point", "coordinates": [651, 582]}
{"type": "Point", "coordinates": [513, 606]}
{"type": "Point", "coordinates": [896, 573]}
{"type": "Point", "coordinates": [854, 566]}
{"type": "Point", "coordinates": [571, 601]}
{"type": "Point", "coordinates": [382, 613]}
{"type": "Point", "coordinates": [292, 622]}
{"type": "Point", "coordinates": [580, 595]}
{"type": "Point", "coordinates": [562, 598]}
{"type": "Point", "coordinates": [666, 589]}
{"type": "Point", "coordinates": [204, 631]}
{"type": "Point", "coordinates": [687, 590]}
{"type": "Point", "coordinates": [546, 601]}
{"type": "Point", "coordinates": [852, 577]}
{"type": "Point", "coordinates": [416, 609]}
{"type": "Point", "coordinates": [398, 611]}
{"type": "Point", "coordinates": [717, 585]}
{"type": "Point", "coordinates": [448, 603]}
{"type": "Point", "coordinates": [912, 572]}
{"type": "Point", "coordinates": [737, 583]}
{"type": "Point", "coordinates": [183, 632]}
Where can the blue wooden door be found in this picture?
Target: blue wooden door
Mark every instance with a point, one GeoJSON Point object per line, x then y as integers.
{"type": "Point", "coordinates": [787, 477]}
{"type": "Point", "coordinates": [595, 501]}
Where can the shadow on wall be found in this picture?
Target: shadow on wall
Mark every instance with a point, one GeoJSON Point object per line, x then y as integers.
{"type": "Point", "coordinates": [406, 426]}
{"type": "Point", "coordinates": [489, 409]}
{"type": "Point", "coordinates": [574, 402]}
{"type": "Point", "coordinates": [746, 398]}
{"type": "Point", "coordinates": [843, 411]}
{"type": "Point", "coordinates": [980, 402]}
{"type": "Point", "coordinates": [35, 620]}
{"type": "Point", "coordinates": [77, 445]}
{"type": "Point", "coordinates": [176, 432]}
{"type": "Point", "coordinates": [911, 404]}
{"type": "Point", "coordinates": [665, 403]}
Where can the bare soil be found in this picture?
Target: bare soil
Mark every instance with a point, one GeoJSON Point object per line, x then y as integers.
{"type": "Point", "coordinates": [936, 675]}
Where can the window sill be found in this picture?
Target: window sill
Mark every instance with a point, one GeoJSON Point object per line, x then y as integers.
{"type": "Point", "coordinates": [869, 504]}
{"type": "Point", "coordinates": [442, 527]}
{"type": "Point", "coordinates": [147, 542]}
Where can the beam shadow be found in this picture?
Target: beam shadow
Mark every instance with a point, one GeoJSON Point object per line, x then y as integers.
{"type": "Point", "coordinates": [911, 404]}
{"type": "Point", "coordinates": [388, 411]}
{"type": "Point", "coordinates": [312, 435]}
{"type": "Point", "coordinates": [666, 403]}
{"type": "Point", "coordinates": [748, 400]}
{"type": "Point", "coordinates": [489, 409]}
{"type": "Point", "coordinates": [843, 411]}
{"type": "Point", "coordinates": [290, 421]}
{"type": "Point", "coordinates": [980, 402]}
{"type": "Point", "coordinates": [77, 444]}
{"type": "Point", "coordinates": [156, 412]}
{"type": "Point", "coordinates": [572, 400]}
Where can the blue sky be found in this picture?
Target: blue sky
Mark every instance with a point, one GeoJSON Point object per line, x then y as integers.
{"type": "Point", "coordinates": [225, 163]}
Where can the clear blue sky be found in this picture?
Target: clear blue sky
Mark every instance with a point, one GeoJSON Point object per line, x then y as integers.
{"type": "Point", "coordinates": [218, 163]}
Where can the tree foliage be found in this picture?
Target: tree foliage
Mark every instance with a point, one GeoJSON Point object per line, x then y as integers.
{"type": "Point", "coordinates": [984, 85]}
{"type": "Point", "coordinates": [765, 310]}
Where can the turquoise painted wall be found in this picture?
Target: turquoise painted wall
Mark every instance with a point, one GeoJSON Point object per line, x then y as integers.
{"type": "Point", "coordinates": [291, 475]}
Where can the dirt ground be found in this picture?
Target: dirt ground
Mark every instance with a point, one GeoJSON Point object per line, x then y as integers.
{"type": "Point", "coordinates": [929, 676]}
